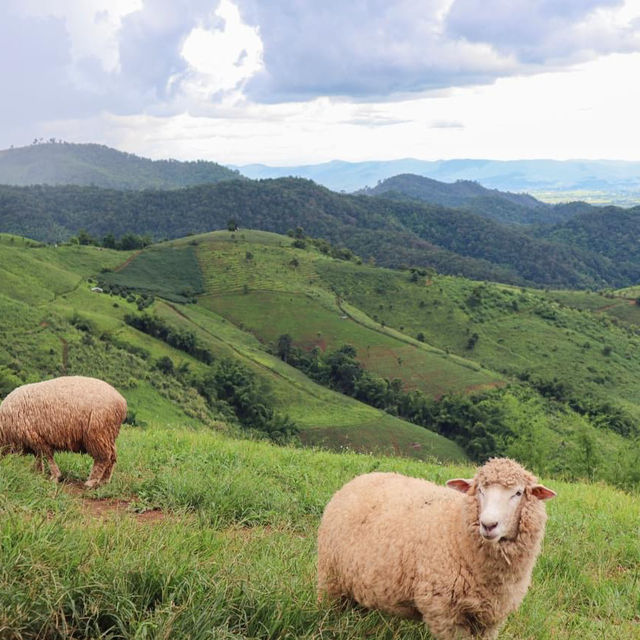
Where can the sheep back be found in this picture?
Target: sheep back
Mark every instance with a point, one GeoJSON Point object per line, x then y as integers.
{"type": "Point", "coordinates": [71, 413]}
{"type": "Point", "coordinates": [378, 533]}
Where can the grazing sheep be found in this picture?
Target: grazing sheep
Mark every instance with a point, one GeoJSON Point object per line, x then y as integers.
{"type": "Point", "coordinates": [64, 414]}
{"type": "Point", "coordinates": [459, 560]}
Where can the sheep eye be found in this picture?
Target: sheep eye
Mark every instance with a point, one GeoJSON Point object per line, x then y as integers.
{"type": "Point", "coordinates": [518, 493]}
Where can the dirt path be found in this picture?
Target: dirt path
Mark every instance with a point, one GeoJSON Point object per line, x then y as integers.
{"type": "Point", "coordinates": [120, 267]}
{"type": "Point", "coordinates": [106, 507]}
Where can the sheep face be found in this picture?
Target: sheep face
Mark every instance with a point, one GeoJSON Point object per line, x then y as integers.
{"type": "Point", "coordinates": [499, 511]}
{"type": "Point", "coordinates": [501, 489]}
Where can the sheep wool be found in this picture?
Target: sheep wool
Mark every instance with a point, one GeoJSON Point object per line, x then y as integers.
{"type": "Point", "coordinates": [412, 548]}
{"type": "Point", "coordinates": [71, 413]}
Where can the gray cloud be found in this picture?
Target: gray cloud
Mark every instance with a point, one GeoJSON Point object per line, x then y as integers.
{"type": "Point", "coordinates": [376, 48]}
{"type": "Point", "coordinates": [362, 49]}
{"type": "Point", "coordinates": [535, 32]}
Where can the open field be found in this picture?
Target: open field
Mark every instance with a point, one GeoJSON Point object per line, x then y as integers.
{"type": "Point", "coordinates": [202, 536]}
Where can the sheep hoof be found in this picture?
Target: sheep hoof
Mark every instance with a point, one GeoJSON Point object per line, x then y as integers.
{"type": "Point", "coordinates": [90, 484]}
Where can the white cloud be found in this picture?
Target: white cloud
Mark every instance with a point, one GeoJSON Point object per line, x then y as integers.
{"type": "Point", "coordinates": [221, 57]}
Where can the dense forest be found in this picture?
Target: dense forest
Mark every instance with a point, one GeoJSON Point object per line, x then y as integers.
{"type": "Point", "coordinates": [392, 233]}
{"type": "Point", "coordinates": [519, 208]}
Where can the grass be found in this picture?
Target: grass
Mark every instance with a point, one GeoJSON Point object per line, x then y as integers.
{"type": "Point", "coordinates": [567, 335]}
{"type": "Point", "coordinates": [38, 341]}
{"type": "Point", "coordinates": [230, 552]}
{"type": "Point", "coordinates": [170, 272]}
{"type": "Point", "coordinates": [311, 323]}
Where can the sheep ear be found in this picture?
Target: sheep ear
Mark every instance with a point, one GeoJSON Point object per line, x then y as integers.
{"type": "Point", "coordinates": [460, 484]}
{"type": "Point", "coordinates": [542, 493]}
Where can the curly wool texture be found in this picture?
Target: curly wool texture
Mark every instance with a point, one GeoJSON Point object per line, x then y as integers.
{"type": "Point", "coordinates": [71, 413]}
{"type": "Point", "coordinates": [413, 548]}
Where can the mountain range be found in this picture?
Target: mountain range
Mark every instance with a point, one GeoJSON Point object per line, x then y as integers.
{"type": "Point", "coordinates": [407, 221]}
{"type": "Point", "coordinates": [601, 180]}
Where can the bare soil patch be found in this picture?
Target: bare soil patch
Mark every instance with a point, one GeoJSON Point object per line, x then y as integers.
{"type": "Point", "coordinates": [107, 507]}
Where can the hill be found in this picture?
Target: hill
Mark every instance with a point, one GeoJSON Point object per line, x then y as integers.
{"type": "Point", "coordinates": [597, 181]}
{"type": "Point", "coordinates": [205, 533]}
{"type": "Point", "coordinates": [608, 231]}
{"type": "Point", "coordinates": [428, 355]}
{"type": "Point", "coordinates": [393, 233]}
{"type": "Point", "coordinates": [194, 368]}
{"type": "Point", "coordinates": [57, 163]}
{"type": "Point", "coordinates": [511, 208]}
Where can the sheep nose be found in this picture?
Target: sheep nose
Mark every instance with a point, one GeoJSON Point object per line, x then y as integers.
{"type": "Point", "coordinates": [489, 526]}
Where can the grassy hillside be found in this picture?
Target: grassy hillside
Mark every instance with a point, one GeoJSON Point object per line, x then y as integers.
{"type": "Point", "coordinates": [391, 232]}
{"type": "Point", "coordinates": [441, 337]}
{"type": "Point", "coordinates": [572, 336]}
{"type": "Point", "coordinates": [494, 369]}
{"type": "Point", "coordinates": [93, 164]}
{"type": "Point", "coordinates": [54, 324]}
{"type": "Point", "coordinates": [200, 536]}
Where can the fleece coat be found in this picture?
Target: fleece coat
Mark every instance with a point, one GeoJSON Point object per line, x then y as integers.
{"type": "Point", "coordinates": [71, 413]}
{"type": "Point", "coordinates": [413, 548]}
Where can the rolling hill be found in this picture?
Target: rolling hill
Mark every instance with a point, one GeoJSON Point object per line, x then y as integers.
{"type": "Point", "coordinates": [393, 233]}
{"type": "Point", "coordinates": [54, 324]}
{"type": "Point", "coordinates": [510, 208]}
{"type": "Point", "coordinates": [57, 163]}
{"type": "Point", "coordinates": [205, 533]}
{"type": "Point", "coordinates": [461, 358]}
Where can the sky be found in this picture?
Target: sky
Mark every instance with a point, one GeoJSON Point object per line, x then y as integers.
{"type": "Point", "coordinates": [289, 82]}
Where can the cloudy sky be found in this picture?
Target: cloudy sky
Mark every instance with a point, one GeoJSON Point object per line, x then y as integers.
{"type": "Point", "coordinates": [305, 81]}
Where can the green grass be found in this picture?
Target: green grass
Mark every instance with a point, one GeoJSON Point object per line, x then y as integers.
{"type": "Point", "coordinates": [519, 331]}
{"type": "Point", "coordinates": [172, 273]}
{"type": "Point", "coordinates": [201, 536]}
{"type": "Point", "coordinates": [39, 341]}
{"type": "Point", "coordinates": [311, 323]}
{"type": "Point", "coordinates": [326, 418]}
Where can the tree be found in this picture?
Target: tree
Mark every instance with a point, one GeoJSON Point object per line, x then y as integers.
{"type": "Point", "coordinates": [109, 241]}
{"type": "Point", "coordinates": [232, 225]}
{"type": "Point", "coordinates": [284, 346]}
{"type": "Point", "coordinates": [85, 238]}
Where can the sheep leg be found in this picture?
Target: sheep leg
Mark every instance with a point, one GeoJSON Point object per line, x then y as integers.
{"type": "Point", "coordinates": [108, 469]}
{"type": "Point", "coordinates": [54, 469]}
{"type": "Point", "coordinates": [95, 477]}
{"type": "Point", "coordinates": [38, 465]}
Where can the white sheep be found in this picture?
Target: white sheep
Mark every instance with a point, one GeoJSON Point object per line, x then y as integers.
{"type": "Point", "coordinates": [72, 413]}
{"type": "Point", "coordinates": [459, 560]}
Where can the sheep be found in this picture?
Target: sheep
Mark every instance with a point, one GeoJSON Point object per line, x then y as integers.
{"type": "Point", "coordinates": [71, 413]}
{"type": "Point", "coordinates": [459, 560]}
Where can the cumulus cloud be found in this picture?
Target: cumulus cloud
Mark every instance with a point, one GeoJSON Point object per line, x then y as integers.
{"type": "Point", "coordinates": [73, 59]}
{"type": "Point", "coordinates": [544, 30]}
{"type": "Point", "coordinates": [379, 48]}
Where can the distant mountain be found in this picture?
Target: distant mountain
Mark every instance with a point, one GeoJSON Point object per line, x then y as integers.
{"type": "Point", "coordinates": [92, 164]}
{"type": "Point", "coordinates": [609, 177]}
{"type": "Point", "coordinates": [394, 233]}
{"type": "Point", "coordinates": [503, 206]}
